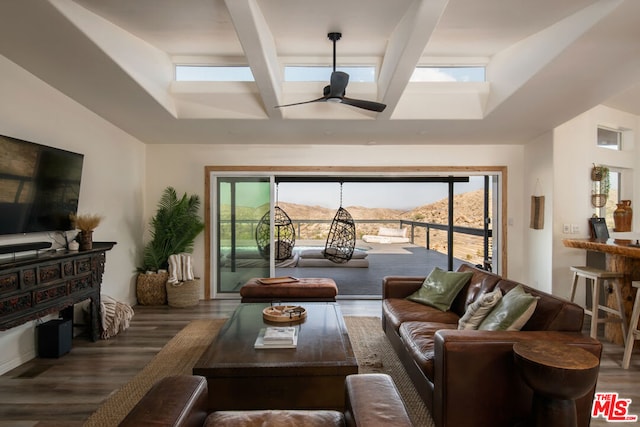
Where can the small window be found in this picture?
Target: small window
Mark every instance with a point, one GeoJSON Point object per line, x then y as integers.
{"type": "Point", "coordinates": [608, 138]}
{"type": "Point", "coordinates": [210, 73]}
{"type": "Point", "coordinates": [448, 74]}
{"type": "Point", "coordinates": [615, 185]}
{"type": "Point", "coordinates": [365, 74]}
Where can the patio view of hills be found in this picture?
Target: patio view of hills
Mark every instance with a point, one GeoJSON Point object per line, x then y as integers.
{"type": "Point", "coordinates": [468, 212]}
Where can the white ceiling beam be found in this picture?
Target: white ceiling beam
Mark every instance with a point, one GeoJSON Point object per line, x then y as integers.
{"type": "Point", "coordinates": [150, 67]}
{"type": "Point", "coordinates": [405, 49]}
{"type": "Point", "coordinates": [260, 49]}
{"type": "Point", "coordinates": [512, 68]}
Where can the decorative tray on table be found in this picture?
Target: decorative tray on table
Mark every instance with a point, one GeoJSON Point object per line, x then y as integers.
{"type": "Point", "coordinates": [284, 313]}
{"type": "Point", "coordinates": [277, 280]}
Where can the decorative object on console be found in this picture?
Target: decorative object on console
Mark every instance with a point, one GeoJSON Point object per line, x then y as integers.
{"type": "Point", "coordinates": [86, 223]}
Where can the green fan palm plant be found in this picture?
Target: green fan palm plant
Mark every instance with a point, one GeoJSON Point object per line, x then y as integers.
{"type": "Point", "coordinates": [173, 229]}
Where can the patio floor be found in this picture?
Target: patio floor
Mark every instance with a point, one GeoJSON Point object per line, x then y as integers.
{"type": "Point", "coordinates": [394, 259]}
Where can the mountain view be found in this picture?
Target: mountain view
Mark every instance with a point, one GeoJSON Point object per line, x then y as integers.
{"type": "Point", "coordinates": [468, 212]}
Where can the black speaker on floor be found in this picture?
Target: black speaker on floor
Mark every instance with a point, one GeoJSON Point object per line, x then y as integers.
{"type": "Point", "coordinates": [54, 338]}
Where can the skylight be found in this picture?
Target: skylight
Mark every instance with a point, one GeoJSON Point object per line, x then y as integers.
{"type": "Point", "coordinates": [211, 73]}
{"type": "Point", "coordinates": [365, 74]}
{"type": "Point", "coordinates": [449, 74]}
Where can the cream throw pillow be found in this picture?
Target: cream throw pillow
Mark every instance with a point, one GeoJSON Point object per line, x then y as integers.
{"type": "Point", "coordinates": [479, 309]}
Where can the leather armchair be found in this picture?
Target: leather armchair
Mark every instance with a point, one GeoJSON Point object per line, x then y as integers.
{"type": "Point", "coordinates": [372, 400]}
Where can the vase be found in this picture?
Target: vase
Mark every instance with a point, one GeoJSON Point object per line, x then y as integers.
{"type": "Point", "coordinates": [620, 218]}
{"type": "Point", "coordinates": [629, 211]}
{"type": "Point", "coordinates": [86, 240]}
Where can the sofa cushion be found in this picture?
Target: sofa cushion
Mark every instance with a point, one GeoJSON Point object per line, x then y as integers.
{"type": "Point", "coordinates": [480, 283]}
{"type": "Point", "coordinates": [512, 311]}
{"type": "Point", "coordinates": [280, 418]}
{"type": "Point", "coordinates": [400, 310]}
{"type": "Point", "coordinates": [319, 253]}
{"type": "Point", "coordinates": [440, 288]}
{"type": "Point", "coordinates": [479, 309]}
{"type": "Point", "coordinates": [552, 313]}
{"type": "Point", "coordinates": [392, 232]}
{"type": "Point", "coordinates": [419, 340]}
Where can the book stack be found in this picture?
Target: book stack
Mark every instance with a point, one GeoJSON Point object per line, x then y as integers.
{"type": "Point", "coordinates": [277, 337]}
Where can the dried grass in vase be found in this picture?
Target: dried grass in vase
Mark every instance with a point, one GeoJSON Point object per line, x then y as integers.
{"type": "Point", "coordinates": [85, 222]}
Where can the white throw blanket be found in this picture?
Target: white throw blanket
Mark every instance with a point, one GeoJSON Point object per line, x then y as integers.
{"type": "Point", "coordinates": [116, 316]}
{"type": "Point", "coordinates": [180, 268]}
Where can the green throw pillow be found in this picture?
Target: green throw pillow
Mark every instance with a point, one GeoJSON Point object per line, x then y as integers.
{"type": "Point", "coordinates": [479, 309]}
{"type": "Point", "coordinates": [440, 288]}
{"type": "Point", "coordinates": [512, 311]}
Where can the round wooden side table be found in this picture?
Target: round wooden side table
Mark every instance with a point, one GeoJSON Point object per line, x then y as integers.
{"type": "Point", "coordinates": [558, 374]}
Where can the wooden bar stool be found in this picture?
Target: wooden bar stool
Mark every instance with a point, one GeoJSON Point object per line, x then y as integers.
{"type": "Point", "coordinates": [598, 278]}
{"type": "Point", "coordinates": [634, 332]}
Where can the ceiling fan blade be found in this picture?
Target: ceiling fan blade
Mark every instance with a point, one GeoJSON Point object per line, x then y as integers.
{"type": "Point", "coordinates": [303, 102]}
{"type": "Point", "coordinates": [367, 105]}
{"type": "Point", "coordinates": [338, 86]}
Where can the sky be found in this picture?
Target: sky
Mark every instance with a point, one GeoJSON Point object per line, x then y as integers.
{"type": "Point", "coordinates": [404, 196]}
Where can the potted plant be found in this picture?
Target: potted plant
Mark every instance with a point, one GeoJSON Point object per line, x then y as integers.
{"type": "Point", "coordinates": [86, 223]}
{"type": "Point", "coordinates": [601, 185]}
{"type": "Point", "coordinates": [173, 230]}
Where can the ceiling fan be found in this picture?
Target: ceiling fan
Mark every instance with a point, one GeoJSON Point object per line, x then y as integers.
{"type": "Point", "coordinates": [335, 91]}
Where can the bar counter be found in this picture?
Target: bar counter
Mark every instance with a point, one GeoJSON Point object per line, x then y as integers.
{"type": "Point", "coordinates": [622, 255]}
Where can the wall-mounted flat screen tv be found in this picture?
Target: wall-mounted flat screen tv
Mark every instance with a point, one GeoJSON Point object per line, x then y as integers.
{"type": "Point", "coordinates": [39, 186]}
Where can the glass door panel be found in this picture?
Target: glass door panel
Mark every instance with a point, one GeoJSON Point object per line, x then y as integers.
{"type": "Point", "coordinates": [241, 203]}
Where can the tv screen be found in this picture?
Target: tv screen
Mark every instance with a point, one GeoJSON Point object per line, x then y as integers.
{"type": "Point", "coordinates": [39, 186]}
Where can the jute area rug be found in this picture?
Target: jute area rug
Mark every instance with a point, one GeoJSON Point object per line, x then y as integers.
{"type": "Point", "coordinates": [372, 350]}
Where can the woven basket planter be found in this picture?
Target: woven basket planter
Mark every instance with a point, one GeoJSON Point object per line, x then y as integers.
{"type": "Point", "coordinates": [183, 294]}
{"type": "Point", "coordinates": [151, 288]}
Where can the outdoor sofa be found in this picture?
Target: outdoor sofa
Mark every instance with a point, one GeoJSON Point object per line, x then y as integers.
{"type": "Point", "coordinates": [388, 235]}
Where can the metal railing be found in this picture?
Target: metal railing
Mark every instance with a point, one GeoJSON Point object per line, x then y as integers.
{"type": "Point", "coordinates": [428, 226]}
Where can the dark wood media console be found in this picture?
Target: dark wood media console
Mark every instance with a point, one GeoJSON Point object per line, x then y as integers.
{"type": "Point", "coordinates": [52, 281]}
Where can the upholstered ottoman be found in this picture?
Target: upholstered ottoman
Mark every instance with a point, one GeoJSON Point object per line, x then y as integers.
{"type": "Point", "coordinates": [303, 289]}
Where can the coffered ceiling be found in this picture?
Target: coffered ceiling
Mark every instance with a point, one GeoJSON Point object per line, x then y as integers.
{"type": "Point", "coordinates": [546, 62]}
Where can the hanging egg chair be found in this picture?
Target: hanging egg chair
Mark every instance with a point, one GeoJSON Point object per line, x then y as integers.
{"type": "Point", "coordinates": [284, 234]}
{"type": "Point", "coordinates": [341, 240]}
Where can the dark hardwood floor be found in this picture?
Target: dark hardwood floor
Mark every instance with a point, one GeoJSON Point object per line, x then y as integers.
{"type": "Point", "coordinates": [65, 391]}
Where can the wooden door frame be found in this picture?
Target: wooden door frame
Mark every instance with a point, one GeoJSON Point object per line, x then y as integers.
{"type": "Point", "coordinates": [333, 170]}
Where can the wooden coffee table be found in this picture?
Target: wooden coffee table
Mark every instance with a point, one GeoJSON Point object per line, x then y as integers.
{"type": "Point", "coordinates": [310, 376]}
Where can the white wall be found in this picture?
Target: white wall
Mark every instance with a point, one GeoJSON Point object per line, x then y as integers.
{"type": "Point", "coordinates": [574, 153]}
{"type": "Point", "coordinates": [182, 166]}
{"type": "Point", "coordinates": [112, 183]}
{"type": "Point", "coordinates": [538, 181]}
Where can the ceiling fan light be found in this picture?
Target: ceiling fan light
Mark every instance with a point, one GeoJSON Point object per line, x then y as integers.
{"type": "Point", "coordinates": [335, 100]}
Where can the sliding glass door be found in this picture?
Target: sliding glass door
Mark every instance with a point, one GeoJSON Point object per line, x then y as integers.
{"type": "Point", "coordinates": [240, 203]}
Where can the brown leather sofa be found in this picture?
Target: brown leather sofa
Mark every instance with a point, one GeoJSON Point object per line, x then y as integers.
{"type": "Point", "coordinates": [371, 400]}
{"type": "Point", "coordinates": [468, 377]}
